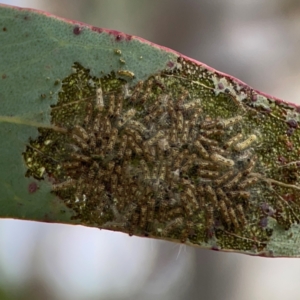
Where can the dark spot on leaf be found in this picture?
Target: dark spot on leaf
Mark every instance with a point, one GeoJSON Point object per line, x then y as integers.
{"type": "Point", "coordinates": [292, 123]}
{"type": "Point", "coordinates": [26, 18]}
{"type": "Point", "coordinates": [282, 159]}
{"type": "Point", "coordinates": [4, 76]}
{"type": "Point", "coordinates": [264, 222]}
{"type": "Point", "coordinates": [170, 64]}
{"type": "Point", "coordinates": [33, 187]}
{"type": "Point", "coordinates": [77, 30]}
{"type": "Point", "coordinates": [4, 29]}
{"type": "Point", "coordinates": [119, 37]}
{"type": "Point", "coordinates": [215, 248]}
{"type": "Point", "coordinates": [290, 131]}
{"type": "Point", "coordinates": [254, 97]}
{"type": "Point", "coordinates": [221, 86]}
{"type": "Point", "coordinates": [97, 29]}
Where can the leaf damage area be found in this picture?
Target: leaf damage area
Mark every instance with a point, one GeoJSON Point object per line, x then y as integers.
{"type": "Point", "coordinates": [186, 155]}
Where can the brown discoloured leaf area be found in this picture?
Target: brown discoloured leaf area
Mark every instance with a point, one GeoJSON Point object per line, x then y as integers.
{"type": "Point", "coordinates": [187, 155]}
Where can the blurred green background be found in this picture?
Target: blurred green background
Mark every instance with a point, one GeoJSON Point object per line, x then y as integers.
{"type": "Point", "coordinates": [253, 40]}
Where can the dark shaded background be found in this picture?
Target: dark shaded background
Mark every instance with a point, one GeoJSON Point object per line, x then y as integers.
{"type": "Point", "coordinates": [253, 40]}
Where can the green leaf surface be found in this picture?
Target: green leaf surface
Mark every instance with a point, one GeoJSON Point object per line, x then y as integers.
{"type": "Point", "coordinates": [105, 129]}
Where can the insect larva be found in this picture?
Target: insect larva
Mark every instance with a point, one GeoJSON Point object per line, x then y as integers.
{"type": "Point", "coordinates": [115, 226]}
{"type": "Point", "coordinates": [110, 166]}
{"type": "Point", "coordinates": [241, 215]}
{"type": "Point", "coordinates": [80, 142]}
{"type": "Point", "coordinates": [138, 126]}
{"type": "Point", "coordinates": [89, 113]}
{"type": "Point", "coordinates": [133, 223]}
{"type": "Point", "coordinates": [224, 211]}
{"type": "Point", "coordinates": [162, 171]}
{"type": "Point", "coordinates": [151, 207]}
{"type": "Point", "coordinates": [246, 143]}
{"type": "Point", "coordinates": [211, 195]}
{"type": "Point", "coordinates": [207, 173]}
{"type": "Point", "coordinates": [186, 205]}
{"type": "Point", "coordinates": [107, 126]}
{"type": "Point", "coordinates": [172, 225]}
{"type": "Point", "coordinates": [137, 90]}
{"type": "Point", "coordinates": [154, 107]}
{"type": "Point", "coordinates": [171, 111]}
{"type": "Point", "coordinates": [153, 115]}
{"type": "Point", "coordinates": [126, 117]}
{"type": "Point", "coordinates": [122, 146]}
{"type": "Point", "coordinates": [233, 140]}
{"type": "Point", "coordinates": [96, 122]}
{"type": "Point", "coordinates": [136, 149]}
{"type": "Point", "coordinates": [208, 141]}
{"type": "Point", "coordinates": [163, 144]}
{"type": "Point", "coordinates": [223, 196]}
{"type": "Point", "coordinates": [218, 150]}
{"type": "Point", "coordinates": [207, 165]}
{"type": "Point", "coordinates": [80, 131]}
{"type": "Point", "coordinates": [118, 170]}
{"type": "Point", "coordinates": [186, 232]}
{"type": "Point", "coordinates": [163, 205]}
{"type": "Point", "coordinates": [224, 177]}
{"type": "Point", "coordinates": [181, 99]}
{"type": "Point", "coordinates": [202, 151]}
{"type": "Point", "coordinates": [221, 160]}
{"type": "Point", "coordinates": [195, 116]}
{"type": "Point", "coordinates": [239, 194]}
{"type": "Point", "coordinates": [99, 99]}
{"type": "Point", "coordinates": [112, 139]}
{"type": "Point", "coordinates": [247, 182]}
{"type": "Point", "coordinates": [229, 122]}
{"type": "Point", "coordinates": [174, 212]}
{"type": "Point", "coordinates": [119, 105]}
{"type": "Point", "coordinates": [147, 91]}
{"type": "Point", "coordinates": [91, 174]}
{"type": "Point", "coordinates": [192, 160]}
{"type": "Point", "coordinates": [185, 133]}
{"type": "Point", "coordinates": [129, 211]}
{"type": "Point", "coordinates": [92, 142]}
{"type": "Point", "coordinates": [179, 158]}
{"type": "Point", "coordinates": [64, 185]}
{"type": "Point", "coordinates": [250, 166]}
{"type": "Point", "coordinates": [210, 217]}
{"type": "Point", "coordinates": [99, 189]}
{"type": "Point", "coordinates": [173, 135]}
{"type": "Point", "coordinates": [233, 181]}
{"type": "Point", "coordinates": [71, 164]}
{"type": "Point", "coordinates": [208, 124]}
{"type": "Point", "coordinates": [111, 106]}
{"type": "Point", "coordinates": [217, 132]}
{"type": "Point", "coordinates": [135, 135]}
{"type": "Point", "coordinates": [126, 73]}
{"type": "Point", "coordinates": [191, 104]}
{"type": "Point", "coordinates": [233, 217]}
{"type": "Point", "coordinates": [189, 193]}
{"type": "Point", "coordinates": [155, 138]}
{"type": "Point", "coordinates": [114, 182]}
{"type": "Point", "coordinates": [145, 169]}
{"type": "Point", "coordinates": [143, 217]}
{"type": "Point", "coordinates": [149, 152]}
{"type": "Point", "coordinates": [154, 172]}
{"type": "Point", "coordinates": [128, 154]}
{"type": "Point", "coordinates": [179, 121]}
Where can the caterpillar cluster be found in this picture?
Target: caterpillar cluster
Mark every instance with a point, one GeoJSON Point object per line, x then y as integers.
{"type": "Point", "coordinates": [149, 161]}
